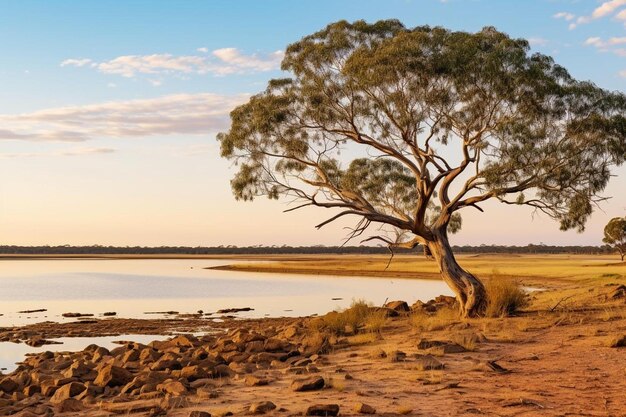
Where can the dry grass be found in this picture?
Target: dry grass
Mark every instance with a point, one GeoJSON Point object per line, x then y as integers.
{"type": "Point", "coordinates": [361, 316]}
{"type": "Point", "coordinates": [468, 340]}
{"type": "Point", "coordinates": [504, 297]}
{"type": "Point", "coordinates": [443, 318]}
{"type": "Point", "coordinates": [375, 321]}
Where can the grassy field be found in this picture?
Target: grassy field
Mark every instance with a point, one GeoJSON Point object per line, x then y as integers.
{"type": "Point", "coordinates": [536, 268]}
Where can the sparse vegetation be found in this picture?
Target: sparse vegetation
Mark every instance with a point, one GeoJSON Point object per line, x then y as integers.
{"type": "Point", "coordinates": [504, 297]}
{"type": "Point", "coordinates": [439, 320]}
{"type": "Point", "coordinates": [361, 316]}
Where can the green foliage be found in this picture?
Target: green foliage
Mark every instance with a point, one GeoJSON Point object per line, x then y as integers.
{"type": "Point", "coordinates": [615, 234]}
{"type": "Point", "coordinates": [380, 120]}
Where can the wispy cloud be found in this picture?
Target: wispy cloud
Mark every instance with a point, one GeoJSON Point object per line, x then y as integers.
{"type": "Point", "coordinates": [220, 62]}
{"type": "Point", "coordinates": [565, 15]}
{"type": "Point", "coordinates": [615, 8]}
{"type": "Point", "coordinates": [67, 152]}
{"type": "Point", "coordinates": [537, 41]}
{"type": "Point", "coordinates": [189, 114]}
{"type": "Point", "coordinates": [76, 62]}
{"type": "Point", "coordinates": [615, 45]}
{"type": "Point", "coordinates": [622, 73]}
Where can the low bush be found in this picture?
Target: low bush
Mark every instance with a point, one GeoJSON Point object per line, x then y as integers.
{"type": "Point", "coordinates": [504, 297]}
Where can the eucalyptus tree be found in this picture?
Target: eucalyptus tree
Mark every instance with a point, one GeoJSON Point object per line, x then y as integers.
{"type": "Point", "coordinates": [407, 127]}
{"type": "Point", "coordinates": [615, 235]}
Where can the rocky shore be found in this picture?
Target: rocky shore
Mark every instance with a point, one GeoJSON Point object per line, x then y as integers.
{"type": "Point", "coordinates": [399, 360]}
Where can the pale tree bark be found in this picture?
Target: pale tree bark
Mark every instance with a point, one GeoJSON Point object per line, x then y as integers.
{"type": "Point", "coordinates": [470, 292]}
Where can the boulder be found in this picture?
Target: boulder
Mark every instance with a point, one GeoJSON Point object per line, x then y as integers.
{"type": "Point", "coordinates": [364, 409]}
{"type": "Point", "coordinates": [193, 373]}
{"type": "Point", "coordinates": [323, 410]}
{"type": "Point", "coordinates": [175, 388]}
{"type": "Point", "coordinates": [262, 407]}
{"type": "Point", "coordinates": [8, 385]}
{"type": "Point", "coordinates": [399, 306]}
{"type": "Point", "coordinates": [255, 381]}
{"type": "Point", "coordinates": [67, 391]}
{"type": "Point", "coordinates": [69, 405]}
{"type": "Point", "coordinates": [307, 384]}
{"type": "Point", "coordinates": [112, 376]}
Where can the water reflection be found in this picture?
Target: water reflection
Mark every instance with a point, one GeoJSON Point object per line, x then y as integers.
{"type": "Point", "coordinates": [132, 287]}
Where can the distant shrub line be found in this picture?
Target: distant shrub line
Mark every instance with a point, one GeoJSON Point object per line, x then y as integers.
{"type": "Point", "coordinates": [269, 250]}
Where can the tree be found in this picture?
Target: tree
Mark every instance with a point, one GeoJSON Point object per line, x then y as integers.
{"type": "Point", "coordinates": [407, 127]}
{"type": "Point", "coordinates": [615, 234]}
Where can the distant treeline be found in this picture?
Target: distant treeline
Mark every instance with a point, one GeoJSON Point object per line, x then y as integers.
{"type": "Point", "coordinates": [277, 250]}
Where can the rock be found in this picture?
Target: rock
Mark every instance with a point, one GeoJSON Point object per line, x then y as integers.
{"type": "Point", "coordinates": [442, 346]}
{"type": "Point", "coordinates": [129, 407]}
{"type": "Point", "coordinates": [8, 385]}
{"type": "Point", "coordinates": [364, 409]}
{"type": "Point", "coordinates": [31, 390]}
{"type": "Point", "coordinates": [233, 310]}
{"type": "Point", "coordinates": [262, 407]}
{"type": "Point", "coordinates": [323, 410]}
{"type": "Point", "coordinates": [69, 405]}
{"type": "Point", "coordinates": [67, 391]}
{"type": "Point", "coordinates": [109, 314]}
{"type": "Point", "coordinates": [112, 376]}
{"type": "Point", "coordinates": [308, 384]}
{"type": "Point", "coordinates": [255, 381]}
{"type": "Point", "coordinates": [40, 341]}
{"type": "Point", "coordinates": [399, 306]}
{"type": "Point", "coordinates": [222, 371]}
{"type": "Point", "coordinates": [193, 373]}
{"type": "Point", "coordinates": [174, 388]}
{"type": "Point", "coordinates": [618, 342]}
{"type": "Point", "coordinates": [74, 315]}
{"type": "Point", "coordinates": [428, 362]}
{"type": "Point", "coordinates": [199, 414]}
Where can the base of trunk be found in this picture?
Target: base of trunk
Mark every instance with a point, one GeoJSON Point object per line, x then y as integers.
{"type": "Point", "coordinates": [470, 292]}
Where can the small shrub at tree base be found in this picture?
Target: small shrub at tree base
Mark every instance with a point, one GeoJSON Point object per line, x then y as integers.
{"type": "Point", "coordinates": [504, 297]}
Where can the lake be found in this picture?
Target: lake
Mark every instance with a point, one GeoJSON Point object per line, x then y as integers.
{"type": "Point", "coordinates": [132, 287]}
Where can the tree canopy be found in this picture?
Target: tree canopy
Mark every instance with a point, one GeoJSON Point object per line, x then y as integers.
{"type": "Point", "coordinates": [615, 234]}
{"type": "Point", "coordinates": [431, 106]}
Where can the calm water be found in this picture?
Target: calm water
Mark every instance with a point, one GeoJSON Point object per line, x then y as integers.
{"type": "Point", "coordinates": [133, 287]}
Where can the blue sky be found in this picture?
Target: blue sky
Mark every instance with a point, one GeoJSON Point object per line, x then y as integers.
{"type": "Point", "coordinates": [109, 111]}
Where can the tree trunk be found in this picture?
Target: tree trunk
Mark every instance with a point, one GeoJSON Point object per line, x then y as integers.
{"type": "Point", "coordinates": [470, 292]}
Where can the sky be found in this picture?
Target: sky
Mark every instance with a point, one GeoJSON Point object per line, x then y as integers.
{"type": "Point", "coordinates": [109, 111]}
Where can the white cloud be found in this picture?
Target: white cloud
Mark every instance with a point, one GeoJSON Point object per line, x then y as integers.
{"type": "Point", "coordinates": [622, 73]}
{"type": "Point", "coordinates": [537, 41]}
{"type": "Point", "coordinates": [607, 8]}
{"type": "Point", "coordinates": [80, 62]}
{"type": "Point", "coordinates": [67, 152]}
{"type": "Point", "coordinates": [220, 62]}
{"type": "Point", "coordinates": [564, 15]}
{"type": "Point", "coordinates": [612, 45]}
{"type": "Point", "coordinates": [188, 114]}
{"type": "Point", "coordinates": [86, 151]}
{"type": "Point", "coordinates": [203, 50]}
